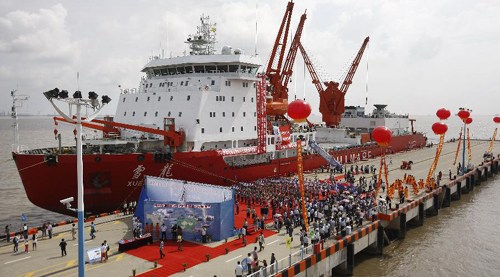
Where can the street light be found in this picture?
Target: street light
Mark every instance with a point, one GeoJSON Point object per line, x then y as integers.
{"type": "Point", "coordinates": [78, 101]}
{"type": "Point", "coordinates": [464, 113]}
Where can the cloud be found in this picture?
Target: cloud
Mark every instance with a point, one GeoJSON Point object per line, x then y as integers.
{"type": "Point", "coordinates": [38, 36]}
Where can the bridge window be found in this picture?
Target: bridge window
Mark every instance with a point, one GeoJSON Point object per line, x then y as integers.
{"type": "Point", "coordinates": [159, 98]}
{"type": "Point", "coordinates": [202, 130]}
{"type": "Point", "coordinates": [199, 69]}
{"type": "Point", "coordinates": [210, 68]}
{"type": "Point", "coordinates": [123, 100]}
{"type": "Point", "coordinates": [145, 113]}
{"type": "Point", "coordinates": [181, 70]}
{"type": "Point", "coordinates": [156, 114]}
{"type": "Point", "coordinates": [233, 68]}
{"type": "Point", "coordinates": [220, 129]}
{"type": "Point", "coordinates": [148, 99]}
{"type": "Point", "coordinates": [242, 128]}
{"type": "Point", "coordinates": [133, 113]}
{"type": "Point", "coordinates": [188, 97]}
{"type": "Point", "coordinates": [172, 71]}
{"type": "Point", "coordinates": [125, 114]}
{"type": "Point", "coordinates": [137, 98]}
{"type": "Point", "coordinates": [232, 128]}
{"type": "Point", "coordinates": [213, 82]}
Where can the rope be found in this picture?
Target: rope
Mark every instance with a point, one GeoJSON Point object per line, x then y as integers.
{"type": "Point", "coordinates": [30, 166]}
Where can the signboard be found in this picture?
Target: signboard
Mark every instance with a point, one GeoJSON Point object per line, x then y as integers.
{"type": "Point", "coordinates": [285, 134]}
{"type": "Point", "coordinates": [94, 255]}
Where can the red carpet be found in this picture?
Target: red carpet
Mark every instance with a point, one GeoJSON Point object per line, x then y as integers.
{"type": "Point", "coordinates": [192, 253]}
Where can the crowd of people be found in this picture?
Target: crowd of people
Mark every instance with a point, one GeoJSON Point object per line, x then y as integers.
{"type": "Point", "coordinates": [334, 208]}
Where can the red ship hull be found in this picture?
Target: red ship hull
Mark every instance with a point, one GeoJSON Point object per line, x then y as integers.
{"type": "Point", "coordinates": [110, 180]}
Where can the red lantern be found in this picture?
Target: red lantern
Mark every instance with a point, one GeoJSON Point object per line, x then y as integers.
{"type": "Point", "coordinates": [299, 110]}
{"type": "Point", "coordinates": [382, 135]}
{"type": "Point", "coordinates": [496, 119]}
{"type": "Point", "coordinates": [468, 120]}
{"type": "Point", "coordinates": [443, 113]}
{"type": "Point", "coordinates": [55, 132]}
{"type": "Point", "coordinates": [463, 114]}
{"type": "Point", "coordinates": [75, 132]}
{"type": "Point", "coordinates": [439, 128]}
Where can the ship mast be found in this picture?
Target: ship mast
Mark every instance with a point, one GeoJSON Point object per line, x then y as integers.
{"type": "Point", "coordinates": [203, 42]}
{"type": "Point", "coordinates": [17, 101]}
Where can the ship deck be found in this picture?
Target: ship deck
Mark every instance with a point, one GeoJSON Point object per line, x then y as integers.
{"type": "Point", "coordinates": [46, 260]}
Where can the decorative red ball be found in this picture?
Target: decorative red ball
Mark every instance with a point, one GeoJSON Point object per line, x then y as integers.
{"type": "Point", "coordinates": [382, 135]}
{"type": "Point", "coordinates": [443, 113]}
{"type": "Point", "coordinates": [439, 128]}
{"type": "Point", "coordinates": [468, 120]}
{"type": "Point", "coordinates": [299, 110]}
{"type": "Point", "coordinates": [463, 114]}
{"type": "Point", "coordinates": [496, 119]}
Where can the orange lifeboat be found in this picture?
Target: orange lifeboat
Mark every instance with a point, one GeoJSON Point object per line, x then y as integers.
{"type": "Point", "coordinates": [277, 107]}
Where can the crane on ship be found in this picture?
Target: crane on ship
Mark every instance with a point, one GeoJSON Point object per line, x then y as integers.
{"type": "Point", "coordinates": [332, 98]}
{"type": "Point", "coordinates": [279, 73]}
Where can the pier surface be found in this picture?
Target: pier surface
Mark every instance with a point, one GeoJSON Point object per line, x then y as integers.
{"type": "Point", "coordinates": [47, 259]}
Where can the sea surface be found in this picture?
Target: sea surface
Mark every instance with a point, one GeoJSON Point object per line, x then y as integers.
{"type": "Point", "coordinates": [462, 241]}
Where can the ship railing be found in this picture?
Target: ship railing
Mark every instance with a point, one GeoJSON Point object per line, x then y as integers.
{"type": "Point", "coordinates": [20, 148]}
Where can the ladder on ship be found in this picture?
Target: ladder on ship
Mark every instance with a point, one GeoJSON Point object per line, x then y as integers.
{"type": "Point", "coordinates": [322, 152]}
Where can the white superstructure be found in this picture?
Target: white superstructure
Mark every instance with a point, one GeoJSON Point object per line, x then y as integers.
{"type": "Point", "coordinates": [212, 97]}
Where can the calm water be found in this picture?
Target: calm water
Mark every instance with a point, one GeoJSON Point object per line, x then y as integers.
{"type": "Point", "coordinates": [461, 241]}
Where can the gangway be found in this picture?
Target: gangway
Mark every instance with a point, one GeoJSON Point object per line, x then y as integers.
{"type": "Point", "coordinates": [333, 162]}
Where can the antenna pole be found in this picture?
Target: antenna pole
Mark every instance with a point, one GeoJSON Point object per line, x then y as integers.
{"type": "Point", "coordinates": [256, 26]}
{"type": "Point", "coordinates": [16, 99]}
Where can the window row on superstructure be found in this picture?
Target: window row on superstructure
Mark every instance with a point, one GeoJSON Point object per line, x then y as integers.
{"type": "Point", "coordinates": [188, 98]}
{"type": "Point", "coordinates": [232, 129]}
{"type": "Point", "coordinates": [200, 68]}
{"type": "Point", "coordinates": [211, 114]}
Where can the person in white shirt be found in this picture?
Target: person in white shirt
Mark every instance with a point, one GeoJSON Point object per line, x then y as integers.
{"type": "Point", "coordinates": [238, 270]}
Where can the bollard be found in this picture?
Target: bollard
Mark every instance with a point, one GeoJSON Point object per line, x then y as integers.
{"type": "Point", "coordinates": [350, 259]}
{"type": "Point", "coordinates": [459, 191]}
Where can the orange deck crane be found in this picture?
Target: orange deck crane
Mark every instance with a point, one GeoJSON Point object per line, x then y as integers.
{"type": "Point", "coordinates": [278, 73]}
{"type": "Point", "coordinates": [332, 99]}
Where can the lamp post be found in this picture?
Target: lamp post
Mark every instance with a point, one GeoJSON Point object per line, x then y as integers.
{"type": "Point", "coordinates": [463, 114]}
{"type": "Point", "coordinates": [96, 106]}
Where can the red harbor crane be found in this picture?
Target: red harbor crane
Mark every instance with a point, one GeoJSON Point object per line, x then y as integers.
{"type": "Point", "coordinates": [332, 99]}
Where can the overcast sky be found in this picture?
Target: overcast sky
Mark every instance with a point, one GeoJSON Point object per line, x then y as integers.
{"type": "Point", "coordinates": [423, 55]}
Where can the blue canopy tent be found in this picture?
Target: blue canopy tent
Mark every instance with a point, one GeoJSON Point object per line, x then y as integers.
{"type": "Point", "coordinates": [189, 205]}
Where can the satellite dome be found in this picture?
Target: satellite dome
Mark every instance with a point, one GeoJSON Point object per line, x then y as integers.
{"type": "Point", "coordinates": [226, 50]}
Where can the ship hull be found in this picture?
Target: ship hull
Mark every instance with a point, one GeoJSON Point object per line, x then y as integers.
{"type": "Point", "coordinates": [110, 180]}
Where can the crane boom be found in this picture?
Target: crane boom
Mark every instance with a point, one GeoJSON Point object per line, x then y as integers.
{"type": "Point", "coordinates": [354, 66]}
{"type": "Point", "coordinates": [290, 59]}
{"type": "Point", "coordinates": [332, 99]}
{"type": "Point", "coordinates": [281, 40]}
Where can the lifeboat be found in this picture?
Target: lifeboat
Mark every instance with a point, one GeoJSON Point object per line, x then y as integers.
{"type": "Point", "coordinates": [277, 107]}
